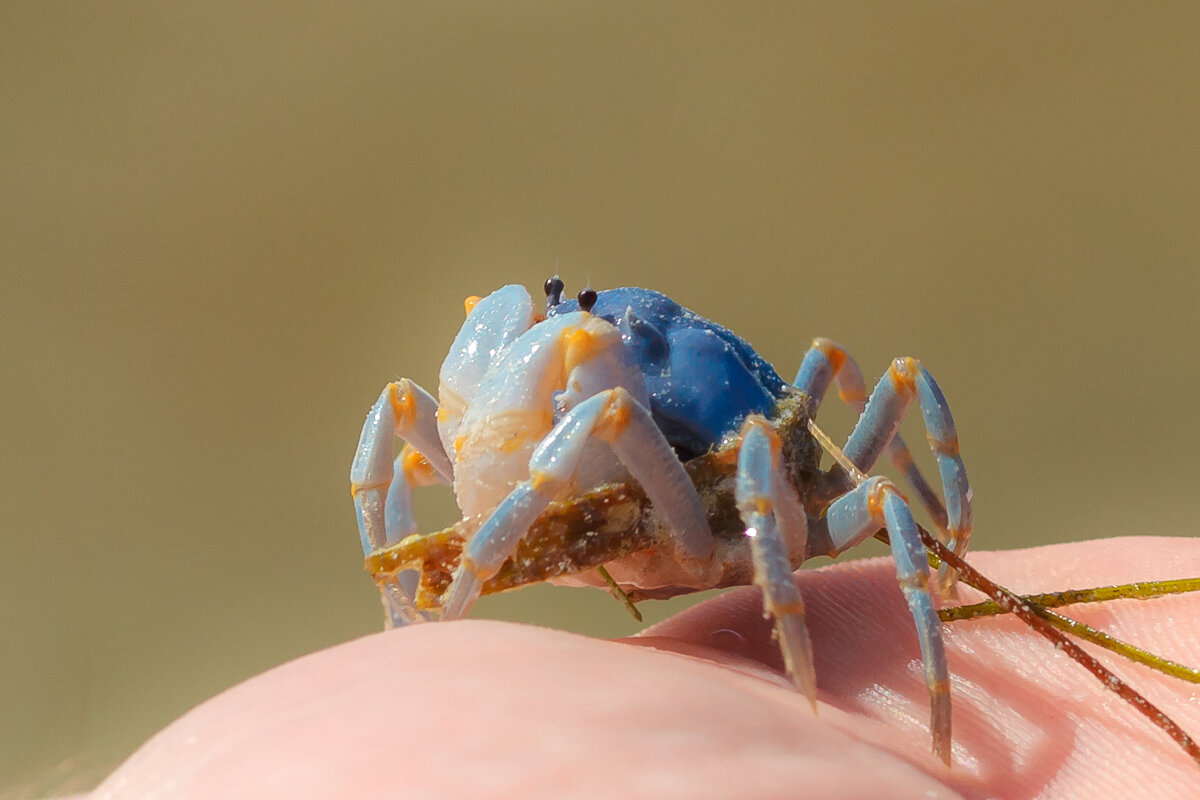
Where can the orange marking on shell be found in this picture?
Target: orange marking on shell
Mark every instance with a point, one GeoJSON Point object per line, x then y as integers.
{"type": "Point", "coordinates": [417, 468]}
{"type": "Point", "coordinates": [759, 421]}
{"type": "Point", "coordinates": [617, 416]}
{"type": "Point", "coordinates": [580, 345]}
{"type": "Point", "coordinates": [763, 505]}
{"type": "Point", "coordinates": [459, 441]}
{"type": "Point", "coordinates": [404, 405]}
{"type": "Point", "coordinates": [539, 480]}
{"type": "Point", "coordinates": [470, 303]}
{"type": "Point", "coordinates": [948, 447]}
{"type": "Point", "coordinates": [832, 351]}
{"type": "Point", "coordinates": [794, 608]}
{"type": "Point", "coordinates": [875, 500]}
{"type": "Point", "coordinates": [903, 373]}
{"type": "Point", "coordinates": [358, 488]}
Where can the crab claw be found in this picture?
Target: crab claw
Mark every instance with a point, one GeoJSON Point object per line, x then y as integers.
{"type": "Point", "coordinates": [493, 324]}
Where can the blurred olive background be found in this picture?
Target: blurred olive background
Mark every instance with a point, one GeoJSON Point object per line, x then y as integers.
{"type": "Point", "coordinates": [225, 227]}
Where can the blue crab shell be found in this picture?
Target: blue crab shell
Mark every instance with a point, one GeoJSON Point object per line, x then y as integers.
{"type": "Point", "coordinates": [703, 379]}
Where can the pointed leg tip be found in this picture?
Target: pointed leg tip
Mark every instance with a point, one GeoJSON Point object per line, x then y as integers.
{"type": "Point", "coordinates": [464, 591]}
{"type": "Point", "coordinates": [804, 678]}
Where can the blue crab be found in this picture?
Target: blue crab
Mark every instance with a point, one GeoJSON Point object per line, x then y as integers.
{"type": "Point", "coordinates": [622, 439]}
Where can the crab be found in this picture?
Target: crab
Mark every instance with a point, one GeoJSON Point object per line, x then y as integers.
{"type": "Point", "coordinates": [620, 439]}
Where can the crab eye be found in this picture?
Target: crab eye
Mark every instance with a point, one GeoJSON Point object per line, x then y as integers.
{"type": "Point", "coordinates": [587, 299]}
{"type": "Point", "coordinates": [554, 289]}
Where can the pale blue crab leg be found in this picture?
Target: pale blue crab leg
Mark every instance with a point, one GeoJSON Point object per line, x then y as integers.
{"type": "Point", "coordinates": [904, 380]}
{"type": "Point", "coordinates": [827, 361]}
{"type": "Point", "coordinates": [777, 525]}
{"type": "Point", "coordinates": [614, 417]}
{"type": "Point", "coordinates": [382, 488]}
{"type": "Point", "coordinates": [856, 516]}
{"type": "Point", "coordinates": [403, 410]}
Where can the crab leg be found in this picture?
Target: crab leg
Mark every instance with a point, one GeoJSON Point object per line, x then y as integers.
{"type": "Point", "coordinates": [407, 411]}
{"type": "Point", "coordinates": [876, 428]}
{"type": "Point", "coordinates": [382, 488]}
{"type": "Point", "coordinates": [776, 524]}
{"type": "Point", "coordinates": [827, 361]}
{"type": "Point", "coordinates": [856, 516]}
{"type": "Point", "coordinates": [612, 416]}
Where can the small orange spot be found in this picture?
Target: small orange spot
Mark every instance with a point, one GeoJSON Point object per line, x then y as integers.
{"type": "Point", "coordinates": [358, 488]}
{"type": "Point", "coordinates": [459, 442]}
{"type": "Point", "coordinates": [903, 373]}
{"type": "Point", "coordinates": [875, 500]}
{"type": "Point", "coordinates": [759, 421]}
{"type": "Point", "coordinates": [763, 505]}
{"type": "Point", "coordinates": [948, 447]}
{"type": "Point", "coordinates": [417, 468]}
{"type": "Point", "coordinates": [442, 414]}
{"type": "Point", "coordinates": [617, 416]}
{"type": "Point", "coordinates": [580, 346]}
{"type": "Point", "coordinates": [794, 608]}
{"type": "Point", "coordinates": [833, 351]}
{"type": "Point", "coordinates": [470, 302]}
{"type": "Point", "coordinates": [404, 405]}
{"type": "Point", "coordinates": [539, 480]}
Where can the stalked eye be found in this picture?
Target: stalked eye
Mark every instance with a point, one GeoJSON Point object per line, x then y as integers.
{"type": "Point", "coordinates": [554, 289]}
{"type": "Point", "coordinates": [587, 299]}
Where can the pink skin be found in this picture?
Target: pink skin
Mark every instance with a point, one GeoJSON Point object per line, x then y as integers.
{"type": "Point", "coordinates": [696, 707]}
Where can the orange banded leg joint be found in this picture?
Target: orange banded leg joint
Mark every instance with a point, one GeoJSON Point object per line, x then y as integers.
{"type": "Point", "coordinates": [856, 516]}
{"type": "Point", "coordinates": [407, 411]}
{"type": "Point", "coordinates": [827, 362]}
{"type": "Point", "coordinates": [778, 528]}
{"type": "Point", "coordinates": [905, 381]}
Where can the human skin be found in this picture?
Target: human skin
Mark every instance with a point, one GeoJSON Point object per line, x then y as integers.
{"type": "Point", "coordinates": [697, 706]}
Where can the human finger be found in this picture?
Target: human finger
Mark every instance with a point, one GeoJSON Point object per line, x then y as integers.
{"type": "Point", "coordinates": [1027, 721]}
